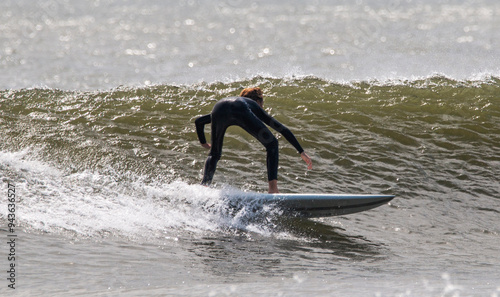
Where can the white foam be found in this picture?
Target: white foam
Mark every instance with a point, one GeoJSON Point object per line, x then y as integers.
{"type": "Point", "coordinates": [92, 203]}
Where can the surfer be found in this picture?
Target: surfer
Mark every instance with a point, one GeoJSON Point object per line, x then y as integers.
{"type": "Point", "coordinates": [247, 112]}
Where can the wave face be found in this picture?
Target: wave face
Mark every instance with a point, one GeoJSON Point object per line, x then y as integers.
{"type": "Point", "coordinates": [83, 155]}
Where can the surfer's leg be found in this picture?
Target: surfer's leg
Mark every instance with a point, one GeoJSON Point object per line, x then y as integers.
{"type": "Point", "coordinates": [209, 171]}
{"type": "Point", "coordinates": [272, 165]}
{"type": "Point", "coordinates": [214, 156]}
{"type": "Point", "coordinates": [258, 129]}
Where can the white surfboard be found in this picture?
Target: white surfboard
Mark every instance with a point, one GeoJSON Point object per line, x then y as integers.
{"type": "Point", "coordinates": [311, 205]}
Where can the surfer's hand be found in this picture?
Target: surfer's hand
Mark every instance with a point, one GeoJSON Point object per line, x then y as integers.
{"type": "Point", "coordinates": [307, 159]}
{"type": "Point", "coordinates": [206, 145]}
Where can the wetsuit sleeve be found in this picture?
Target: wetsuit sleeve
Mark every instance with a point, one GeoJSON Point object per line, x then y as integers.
{"type": "Point", "coordinates": [200, 127]}
{"type": "Point", "coordinates": [270, 121]}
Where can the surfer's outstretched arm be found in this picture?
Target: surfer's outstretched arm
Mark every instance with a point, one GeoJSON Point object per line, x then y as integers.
{"type": "Point", "coordinates": [283, 130]}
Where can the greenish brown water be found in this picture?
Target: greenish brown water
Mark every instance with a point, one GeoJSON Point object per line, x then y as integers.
{"type": "Point", "coordinates": [105, 169]}
{"type": "Point", "coordinates": [97, 104]}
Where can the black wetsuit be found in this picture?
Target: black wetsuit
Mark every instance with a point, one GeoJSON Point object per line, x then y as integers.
{"type": "Point", "coordinates": [247, 114]}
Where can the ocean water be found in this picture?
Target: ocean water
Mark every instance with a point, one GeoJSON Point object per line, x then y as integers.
{"type": "Point", "coordinates": [97, 107]}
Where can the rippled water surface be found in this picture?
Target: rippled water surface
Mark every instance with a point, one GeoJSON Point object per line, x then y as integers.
{"type": "Point", "coordinates": [97, 108]}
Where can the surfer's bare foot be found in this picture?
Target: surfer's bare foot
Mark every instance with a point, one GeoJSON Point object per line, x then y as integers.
{"type": "Point", "coordinates": [273, 186]}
